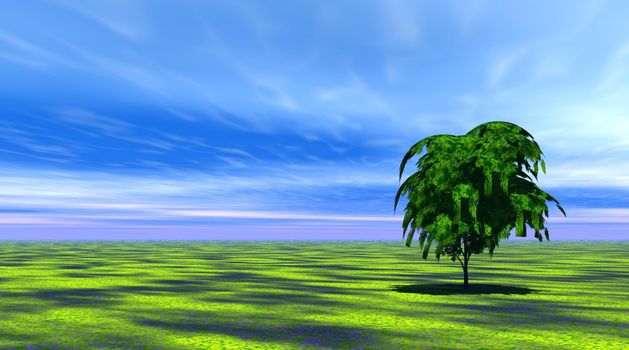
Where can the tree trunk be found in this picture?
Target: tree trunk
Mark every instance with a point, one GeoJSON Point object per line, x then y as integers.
{"type": "Point", "coordinates": [466, 258]}
{"type": "Point", "coordinates": [465, 273]}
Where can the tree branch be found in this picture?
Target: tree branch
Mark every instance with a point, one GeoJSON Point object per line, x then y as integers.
{"type": "Point", "coordinates": [465, 250]}
{"type": "Point", "coordinates": [459, 259]}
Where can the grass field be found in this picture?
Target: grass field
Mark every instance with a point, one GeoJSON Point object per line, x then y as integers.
{"type": "Point", "coordinates": [311, 295]}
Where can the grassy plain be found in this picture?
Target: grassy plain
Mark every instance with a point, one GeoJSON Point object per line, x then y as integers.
{"type": "Point", "coordinates": [310, 295]}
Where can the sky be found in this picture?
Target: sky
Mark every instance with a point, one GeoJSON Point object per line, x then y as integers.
{"type": "Point", "coordinates": [268, 120]}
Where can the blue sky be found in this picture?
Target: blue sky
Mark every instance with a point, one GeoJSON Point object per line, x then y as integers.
{"type": "Point", "coordinates": [288, 119]}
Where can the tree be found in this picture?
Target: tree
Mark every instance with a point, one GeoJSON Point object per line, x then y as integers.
{"type": "Point", "coordinates": [471, 190]}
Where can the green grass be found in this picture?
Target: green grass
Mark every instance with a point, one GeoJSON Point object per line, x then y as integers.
{"type": "Point", "coordinates": [310, 295]}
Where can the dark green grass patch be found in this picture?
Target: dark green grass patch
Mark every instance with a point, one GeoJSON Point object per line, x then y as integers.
{"type": "Point", "coordinates": [310, 295]}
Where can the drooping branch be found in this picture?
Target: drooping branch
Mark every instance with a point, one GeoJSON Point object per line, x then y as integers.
{"type": "Point", "coordinates": [459, 259]}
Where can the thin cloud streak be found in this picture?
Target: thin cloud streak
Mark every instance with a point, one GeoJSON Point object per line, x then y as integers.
{"type": "Point", "coordinates": [123, 18]}
{"type": "Point", "coordinates": [268, 215]}
{"type": "Point", "coordinates": [30, 54]}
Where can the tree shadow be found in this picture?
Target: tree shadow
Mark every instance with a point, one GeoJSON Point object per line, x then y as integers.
{"type": "Point", "coordinates": [531, 314]}
{"type": "Point", "coordinates": [86, 297]}
{"type": "Point", "coordinates": [165, 288]}
{"type": "Point", "coordinates": [278, 298]}
{"type": "Point", "coordinates": [261, 327]}
{"type": "Point", "coordinates": [99, 274]}
{"type": "Point", "coordinates": [74, 267]}
{"type": "Point", "coordinates": [457, 288]}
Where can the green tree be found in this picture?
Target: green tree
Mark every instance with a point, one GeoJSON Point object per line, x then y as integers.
{"type": "Point", "coordinates": [471, 190]}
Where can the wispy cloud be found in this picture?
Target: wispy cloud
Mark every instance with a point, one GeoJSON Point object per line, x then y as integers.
{"type": "Point", "coordinates": [128, 67]}
{"type": "Point", "coordinates": [595, 173]}
{"type": "Point", "coordinates": [31, 141]}
{"type": "Point", "coordinates": [402, 21]}
{"type": "Point", "coordinates": [594, 215]}
{"type": "Point", "coordinates": [334, 93]}
{"type": "Point", "coordinates": [233, 162]}
{"type": "Point", "coordinates": [273, 215]}
{"type": "Point", "coordinates": [32, 220]}
{"type": "Point", "coordinates": [127, 19]}
{"type": "Point", "coordinates": [99, 125]}
{"type": "Point", "coordinates": [502, 65]}
{"type": "Point", "coordinates": [30, 62]}
{"type": "Point", "coordinates": [92, 121]}
{"type": "Point", "coordinates": [365, 101]}
{"type": "Point", "coordinates": [616, 71]}
{"type": "Point", "coordinates": [551, 66]}
{"type": "Point", "coordinates": [468, 13]}
{"type": "Point", "coordinates": [271, 92]}
{"type": "Point", "coordinates": [235, 151]}
{"type": "Point", "coordinates": [28, 53]}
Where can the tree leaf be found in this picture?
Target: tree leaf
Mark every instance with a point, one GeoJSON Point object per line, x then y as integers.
{"type": "Point", "coordinates": [457, 211]}
{"type": "Point", "coordinates": [410, 153]}
{"type": "Point", "coordinates": [405, 187]}
{"type": "Point", "coordinates": [472, 207]}
{"type": "Point", "coordinates": [407, 219]}
{"type": "Point", "coordinates": [488, 184]}
{"type": "Point", "coordinates": [549, 197]}
{"type": "Point", "coordinates": [426, 248]}
{"type": "Point", "coordinates": [422, 238]}
{"type": "Point", "coordinates": [538, 235]}
{"type": "Point", "coordinates": [488, 230]}
{"type": "Point", "coordinates": [504, 183]}
{"type": "Point", "coordinates": [438, 250]}
{"type": "Point", "coordinates": [409, 238]}
{"type": "Point", "coordinates": [520, 229]}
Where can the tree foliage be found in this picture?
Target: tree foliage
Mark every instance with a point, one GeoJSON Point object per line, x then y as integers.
{"type": "Point", "coordinates": [471, 190]}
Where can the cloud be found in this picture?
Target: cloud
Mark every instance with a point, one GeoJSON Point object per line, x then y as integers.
{"type": "Point", "coordinates": [291, 197]}
{"type": "Point", "coordinates": [93, 198]}
{"type": "Point", "coordinates": [97, 125]}
{"type": "Point", "coordinates": [27, 53]}
{"type": "Point", "coordinates": [335, 93]}
{"type": "Point", "coordinates": [182, 115]}
{"type": "Point", "coordinates": [235, 151]}
{"type": "Point", "coordinates": [271, 92]}
{"type": "Point", "coordinates": [274, 215]}
{"type": "Point", "coordinates": [32, 220]}
{"type": "Point", "coordinates": [29, 62]}
{"type": "Point", "coordinates": [30, 155]}
{"type": "Point", "coordinates": [233, 163]}
{"type": "Point", "coordinates": [593, 215]}
{"type": "Point", "coordinates": [87, 119]}
{"type": "Point", "coordinates": [622, 54]}
{"type": "Point", "coordinates": [502, 65]}
{"type": "Point", "coordinates": [617, 68]}
{"type": "Point", "coordinates": [594, 174]}
{"type": "Point", "coordinates": [402, 22]}
{"type": "Point", "coordinates": [468, 13]}
{"type": "Point", "coordinates": [31, 141]}
{"type": "Point", "coordinates": [550, 66]}
{"type": "Point", "coordinates": [580, 127]}
{"type": "Point", "coordinates": [124, 18]}
{"type": "Point", "coordinates": [266, 190]}
{"type": "Point", "coordinates": [140, 74]}
{"type": "Point", "coordinates": [356, 100]}
{"type": "Point", "coordinates": [135, 69]}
